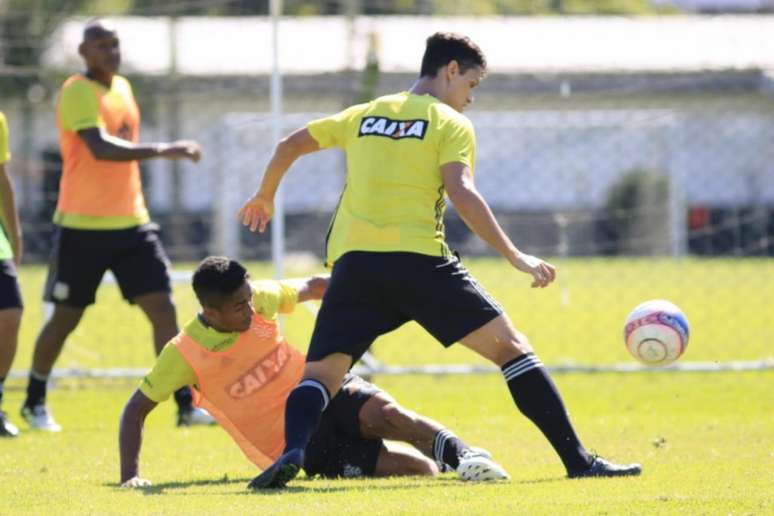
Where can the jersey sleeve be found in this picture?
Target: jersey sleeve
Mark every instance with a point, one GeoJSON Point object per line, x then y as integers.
{"type": "Point", "coordinates": [78, 107]}
{"type": "Point", "coordinates": [169, 373]}
{"type": "Point", "coordinates": [5, 152]}
{"type": "Point", "coordinates": [458, 142]}
{"type": "Point", "coordinates": [272, 297]}
{"type": "Point", "coordinates": [334, 130]}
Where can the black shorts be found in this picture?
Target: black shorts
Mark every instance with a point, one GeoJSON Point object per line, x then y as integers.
{"type": "Point", "coordinates": [10, 294]}
{"type": "Point", "coordinates": [80, 257]}
{"type": "Point", "coordinates": [337, 449]}
{"type": "Point", "coordinates": [373, 293]}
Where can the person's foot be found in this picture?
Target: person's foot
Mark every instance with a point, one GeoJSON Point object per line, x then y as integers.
{"type": "Point", "coordinates": [476, 465]}
{"type": "Point", "coordinates": [40, 418]}
{"type": "Point", "coordinates": [6, 428]}
{"type": "Point", "coordinates": [194, 416]}
{"type": "Point", "coordinates": [280, 473]}
{"type": "Point", "coordinates": [602, 468]}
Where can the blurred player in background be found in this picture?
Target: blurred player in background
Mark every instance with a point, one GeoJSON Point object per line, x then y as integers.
{"type": "Point", "coordinates": [10, 257]}
{"type": "Point", "coordinates": [244, 369]}
{"type": "Point", "coordinates": [101, 219]}
{"type": "Point", "coordinates": [405, 153]}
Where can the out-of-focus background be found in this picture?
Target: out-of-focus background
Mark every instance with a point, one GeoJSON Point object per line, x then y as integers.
{"type": "Point", "coordinates": [604, 127]}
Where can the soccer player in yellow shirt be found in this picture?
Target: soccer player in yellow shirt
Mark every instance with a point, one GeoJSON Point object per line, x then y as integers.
{"type": "Point", "coordinates": [234, 353]}
{"type": "Point", "coordinates": [101, 219]}
{"type": "Point", "coordinates": [405, 153]}
{"type": "Point", "coordinates": [11, 305]}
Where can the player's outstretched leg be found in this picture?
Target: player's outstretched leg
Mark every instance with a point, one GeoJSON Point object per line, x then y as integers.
{"type": "Point", "coordinates": [381, 417]}
{"type": "Point", "coordinates": [536, 396]}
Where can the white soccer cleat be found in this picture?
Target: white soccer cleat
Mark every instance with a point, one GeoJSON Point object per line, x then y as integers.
{"type": "Point", "coordinates": [476, 465]}
{"type": "Point", "coordinates": [40, 418]}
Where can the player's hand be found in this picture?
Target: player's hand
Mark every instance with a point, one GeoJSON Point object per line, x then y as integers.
{"type": "Point", "coordinates": [136, 482]}
{"type": "Point", "coordinates": [182, 149]}
{"type": "Point", "coordinates": [256, 213]}
{"type": "Point", "coordinates": [543, 273]}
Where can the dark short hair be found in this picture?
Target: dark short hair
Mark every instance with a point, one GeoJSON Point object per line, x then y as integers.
{"type": "Point", "coordinates": [443, 47]}
{"type": "Point", "coordinates": [216, 278]}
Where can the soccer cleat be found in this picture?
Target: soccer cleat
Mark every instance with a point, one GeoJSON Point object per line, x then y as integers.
{"type": "Point", "coordinates": [476, 465]}
{"type": "Point", "coordinates": [40, 418]}
{"type": "Point", "coordinates": [6, 428]}
{"type": "Point", "coordinates": [602, 468]}
{"type": "Point", "coordinates": [446, 468]}
{"type": "Point", "coordinates": [280, 473]}
{"type": "Point", "coordinates": [194, 416]}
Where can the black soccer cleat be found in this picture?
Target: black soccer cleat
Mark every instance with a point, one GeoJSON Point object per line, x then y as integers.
{"type": "Point", "coordinates": [602, 468]}
{"type": "Point", "coordinates": [7, 429]}
{"type": "Point", "coordinates": [280, 473]}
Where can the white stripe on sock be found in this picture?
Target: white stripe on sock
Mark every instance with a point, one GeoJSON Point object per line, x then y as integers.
{"type": "Point", "coordinates": [521, 363]}
{"type": "Point", "coordinates": [522, 367]}
{"type": "Point", "coordinates": [440, 443]}
{"type": "Point", "coordinates": [317, 385]}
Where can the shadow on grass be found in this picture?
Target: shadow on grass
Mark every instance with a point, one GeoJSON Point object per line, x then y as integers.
{"type": "Point", "coordinates": [313, 485]}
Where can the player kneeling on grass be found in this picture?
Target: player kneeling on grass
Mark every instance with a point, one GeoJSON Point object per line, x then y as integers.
{"type": "Point", "coordinates": [243, 370]}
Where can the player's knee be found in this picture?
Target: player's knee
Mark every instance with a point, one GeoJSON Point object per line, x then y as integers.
{"type": "Point", "coordinates": [423, 466]}
{"type": "Point", "coordinates": [10, 319]}
{"type": "Point", "coordinates": [514, 346]}
{"type": "Point", "coordinates": [160, 309]}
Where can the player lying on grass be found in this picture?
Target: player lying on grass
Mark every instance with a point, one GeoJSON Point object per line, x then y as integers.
{"type": "Point", "coordinates": [243, 370]}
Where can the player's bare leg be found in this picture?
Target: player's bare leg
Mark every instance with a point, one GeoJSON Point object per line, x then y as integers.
{"type": "Point", "coordinates": [302, 417]}
{"type": "Point", "coordinates": [48, 346]}
{"type": "Point", "coordinates": [396, 461]}
{"type": "Point", "coordinates": [10, 320]}
{"type": "Point", "coordinates": [537, 397]}
{"type": "Point", "coordinates": [383, 417]}
{"type": "Point", "coordinates": [53, 335]}
{"type": "Point", "coordinates": [161, 313]}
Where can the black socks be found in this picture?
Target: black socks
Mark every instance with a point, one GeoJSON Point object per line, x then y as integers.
{"type": "Point", "coordinates": [36, 390]}
{"type": "Point", "coordinates": [303, 412]}
{"type": "Point", "coordinates": [447, 449]}
{"type": "Point", "coordinates": [536, 396]}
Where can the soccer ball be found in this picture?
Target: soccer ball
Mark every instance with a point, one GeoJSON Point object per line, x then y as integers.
{"type": "Point", "coordinates": [656, 332]}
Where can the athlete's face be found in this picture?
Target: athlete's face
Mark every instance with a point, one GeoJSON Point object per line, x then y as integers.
{"type": "Point", "coordinates": [102, 52]}
{"type": "Point", "coordinates": [459, 91]}
{"type": "Point", "coordinates": [236, 312]}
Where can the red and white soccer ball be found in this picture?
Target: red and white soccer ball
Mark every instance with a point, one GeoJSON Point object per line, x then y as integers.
{"type": "Point", "coordinates": [656, 332]}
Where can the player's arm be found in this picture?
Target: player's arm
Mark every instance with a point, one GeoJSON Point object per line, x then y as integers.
{"type": "Point", "coordinates": [461, 189]}
{"type": "Point", "coordinates": [312, 288]}
{"type": "Point", "coordinates": [10, 217]}
{"type": "Point", "coordinates": [257, 211]}
{"type": "Point", "coordinates": [130, 438]}
{"type": "Point", "coordinates": [104, 146]}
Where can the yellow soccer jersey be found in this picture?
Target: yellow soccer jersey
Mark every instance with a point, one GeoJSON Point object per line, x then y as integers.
{"type": "Point", "coordinates": [5, 155]}
{"type": "Point", "coordinates": [5, 152]}
{"type": "Point", "coordinates": [394, 199]}
{"type": "Point", "coordinates": [171, 371]}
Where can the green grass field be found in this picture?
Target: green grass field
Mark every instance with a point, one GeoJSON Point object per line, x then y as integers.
{"type": "Point", "coordinates": [706, 440]}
